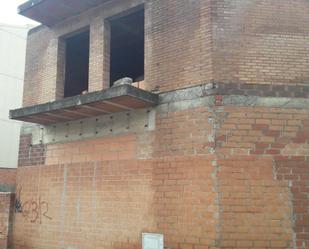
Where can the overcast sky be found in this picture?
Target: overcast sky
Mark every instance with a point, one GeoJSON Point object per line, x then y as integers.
{"type": "Point", "coordinates": [8, 13]}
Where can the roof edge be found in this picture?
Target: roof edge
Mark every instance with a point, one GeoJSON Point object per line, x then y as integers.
{"type": "Point", "coordinates": [28, 5]}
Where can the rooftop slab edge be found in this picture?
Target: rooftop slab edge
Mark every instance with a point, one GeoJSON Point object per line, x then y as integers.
{"type": "Point", "coordinates": [107, 94]}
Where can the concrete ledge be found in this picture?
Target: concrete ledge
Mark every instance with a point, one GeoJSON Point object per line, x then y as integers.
{"type": "Point", "coordinates": [272, 102]}
{"type": "Point", "coordinates": [204, 95]}
{"type": "Point", "coordinates": [112, 100]}
{"type": "Point", "coordinates": [127, 98]}
{"type": "Point", "coordinates": [39, 10]}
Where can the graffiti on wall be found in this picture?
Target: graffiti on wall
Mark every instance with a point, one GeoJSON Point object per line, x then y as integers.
{"type": "Point", "coordinates": [33, 210]}
{"type": "Point", "coordinates": [3, 234]}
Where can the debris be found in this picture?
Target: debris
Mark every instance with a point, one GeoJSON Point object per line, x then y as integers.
{"type": "Point", "coordinates": [123, 81]}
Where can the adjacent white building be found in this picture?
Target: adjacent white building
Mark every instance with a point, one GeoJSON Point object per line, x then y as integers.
{"type": "Point", "coordinates": [12, 61]}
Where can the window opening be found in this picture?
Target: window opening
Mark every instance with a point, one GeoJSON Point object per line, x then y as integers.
{"type": "Point", "coordinates": [127, 47]}
{"type": "Point", "coordinates": [76, 64]}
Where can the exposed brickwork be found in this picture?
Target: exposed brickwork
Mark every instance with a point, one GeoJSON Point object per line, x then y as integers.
{"type": "Point", "coordinates": [99, 55]}
{"type": "Point", "coordinates": [183, 133]}
{"type": "Point", "coordinates": [294, 172]}
{"type": "Point", "coordinates": [210, 175]}
{"type": "Point", "coordinates": [263, 131]}
{"type": "Point", "coordinates": [30, 154]}
{"type": "Point", "coordinates": [263, 90]}
{"type": "Point", "coordinates": [41, 68]}
{"type": "Point", "coordinates": [215, 179]}
{"type": "Point", "coordinates": [261, 42]}
{"type": "Point", "coordinates": [6, 211]}
{"type": "Point", "coordinates": [107, 149]}
{"type": "Point", "coordinates": [119, 200]}
{"type": "Point", "coordinates": [255, 210]}
{"type": "Point", "coordinates": [278, 140]}
{"type": "Point", "coordinates": [7, 176]}
{"type": "Point", "coordinates": [163, 46]}
{"type": "Point", "coordinates": [178, 59]}
{"type": "Point", "coordinates": [249, 42]}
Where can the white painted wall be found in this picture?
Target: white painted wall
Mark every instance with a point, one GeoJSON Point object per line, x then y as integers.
{"type": "Point", "coordinates": [12, 61]}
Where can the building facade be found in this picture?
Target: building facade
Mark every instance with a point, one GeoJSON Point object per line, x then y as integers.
{"type": "Point", "coordinates": [208, 146]}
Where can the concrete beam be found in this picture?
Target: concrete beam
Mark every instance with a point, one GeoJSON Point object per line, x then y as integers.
{"type": "Point", "coordinates": [111, 95]}
{"type": "Point", "coordinates": [39, 10]}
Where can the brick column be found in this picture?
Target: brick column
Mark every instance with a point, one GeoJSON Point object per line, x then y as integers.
{"type": "Point", "coordinates": [6, 209]}
{"type": "Point", "coordinates": [99, 58]}
{"type": "Point", "coordinates": [60, 69]}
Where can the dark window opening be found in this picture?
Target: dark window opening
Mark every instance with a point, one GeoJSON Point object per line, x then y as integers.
{"type": "Point", "coordinates": [127, 47]}
{"type": "Point", "coordinates": [76, 64]}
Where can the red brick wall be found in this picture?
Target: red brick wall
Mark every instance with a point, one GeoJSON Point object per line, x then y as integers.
{"type": "Point", "coordinates": [261, 41]}
{"type": "Point", "coordinates": [178, 44]}
{"type": "Point", "coordinates": [108, 149]}
{"type": "Point", "coordinates": [214, 177]}
{"type": "Point", "coordinates": [7, 176]}
{"type": "Point", "coordinates": [295, 173]}
{"type": "Point", "coordinates": [40, 68]}
{"type": "Point", "coordinates": [164, 45]}
{"type": "Point", "coordinates": [253, 42]}
{"type": "Point", "coordinates": [30, 154]}
{"type": "Point", "coordinates": [246, 188]}
{"type": "Point", "coordinates": [264, 155]}
{"type": "Point", "coordinates": [111, 203]}
{"type": "Point", "coordinates": [6, 210]}
{"type": "Point", "coordinates": [255, 208]}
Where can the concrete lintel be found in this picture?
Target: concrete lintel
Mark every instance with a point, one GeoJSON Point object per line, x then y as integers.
{"type": "Point", "coordinates": [272, 102]}
{"type": "Point", "coordinates": [188, 93]}
{"type": "Point", "coordinates": [205, 94]}
{"type": "Point", "coordinates": [39, 10]}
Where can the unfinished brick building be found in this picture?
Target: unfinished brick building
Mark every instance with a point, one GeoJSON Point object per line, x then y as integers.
{"type": "Point", "coordinates": [208, 146]}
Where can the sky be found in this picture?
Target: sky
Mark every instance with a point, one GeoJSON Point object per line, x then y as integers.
{"type": "Point", "coordinates": [8, 13]}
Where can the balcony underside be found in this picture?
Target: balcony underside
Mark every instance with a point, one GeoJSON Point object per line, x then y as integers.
{"type": "Point", "coordinates": [112, 100]}
{"type": "Point", "coordinates": [50, 12]}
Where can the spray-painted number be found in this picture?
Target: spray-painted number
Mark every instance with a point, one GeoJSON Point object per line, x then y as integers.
{"type": "Point", "coordinates": [35, 211]}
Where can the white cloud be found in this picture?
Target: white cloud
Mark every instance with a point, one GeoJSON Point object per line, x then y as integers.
{"type": "Point", "coordinates": [8, 13]}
